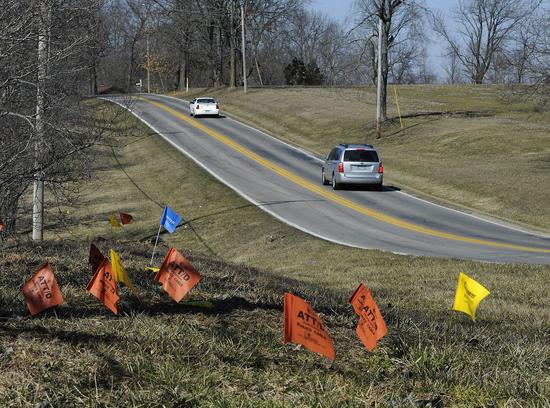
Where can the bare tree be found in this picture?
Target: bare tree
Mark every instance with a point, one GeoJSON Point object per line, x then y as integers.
{"type": "Point", "coordinates": [43, 73]}
{"type": "Point", "coordinates": [484, 26]}
{"type": "Point", "coordinates": [452, 67]}
{"type": "Point", "coordinates": [389, 20]}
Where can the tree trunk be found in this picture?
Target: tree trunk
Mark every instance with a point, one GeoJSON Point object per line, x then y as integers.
{"type": "Point", "coordinates": [382, 76]}
{"type": "Point", "coordinates": [93, 79]}
{"type": "Point", "coordinates": [44, 19]}
{"type": "Point", "coordinates": [258, 70]}
{"type": "Point", "coordinates": [182, 72]}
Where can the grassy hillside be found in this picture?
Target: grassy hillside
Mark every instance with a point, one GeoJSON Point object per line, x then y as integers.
{"type": "Point", "coordinates": [470, 147]}
{"type": "Point", "coordinates": [159, 353]}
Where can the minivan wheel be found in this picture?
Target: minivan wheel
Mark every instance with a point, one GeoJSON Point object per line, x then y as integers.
{"type": "Point", "coordinates": [335, 185]}
{"type": "Point", "coordinates": [323, 178]}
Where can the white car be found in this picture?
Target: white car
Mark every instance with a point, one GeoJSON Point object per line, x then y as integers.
{"type": "Point", "coordinates": [204, 106]}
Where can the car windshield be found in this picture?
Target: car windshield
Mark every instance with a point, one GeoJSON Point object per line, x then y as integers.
{"type": "Point", "coordinates": [360, 156]}
{"type": "Point", "coordinates": [206, 101]}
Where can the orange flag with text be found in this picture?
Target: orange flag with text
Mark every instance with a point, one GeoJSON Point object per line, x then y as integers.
{"type": "Point", "coordinates": [103, 286]}
{"type": "Point", "coordinates": [371, 326]}
{"type": "Point", "coordinates": [176, 275]}
{"type": "Point", "coordinates": [303, 326]}
{"type": "Point", "coordinates": [41, 291]}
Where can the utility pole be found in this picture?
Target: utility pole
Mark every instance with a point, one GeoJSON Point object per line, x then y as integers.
{"type": "Point", "coordinates": [379, 82]}
{"type": "Point", "coordinates": [243, 46]}
{"type": "Point", "coordinates": [44, 18]}
{"type": "Point", "coordinates": [148, 62]}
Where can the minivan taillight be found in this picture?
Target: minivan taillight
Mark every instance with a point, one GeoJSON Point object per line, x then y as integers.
{"type": "Point", "coordinates": [381, 169]}
{"type": "Point", "coordinates": [340, 167]}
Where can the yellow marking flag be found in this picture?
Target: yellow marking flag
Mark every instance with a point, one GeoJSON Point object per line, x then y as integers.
{"type": "Point", "coordinates": [468, 295]}
{"type": "Point", "coordinates": [114, 222]}
{"type": "Point", "coordinates": [152, 269]}
{"type": "Point", "coordinates": [119, 272]}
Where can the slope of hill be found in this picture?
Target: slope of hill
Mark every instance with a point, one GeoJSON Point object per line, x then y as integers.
{"type": "Point", "coordinates": [465, 146]}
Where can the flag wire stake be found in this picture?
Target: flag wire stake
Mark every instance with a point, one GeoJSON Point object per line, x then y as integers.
{"type": "Point", "coordinates": [155, 248]}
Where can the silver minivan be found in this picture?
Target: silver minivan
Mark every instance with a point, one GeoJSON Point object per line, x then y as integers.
{"type": "Point", "coordinates": [353, 164]}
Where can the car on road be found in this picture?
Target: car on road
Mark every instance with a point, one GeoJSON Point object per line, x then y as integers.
{"type": "Point", "coordinates": [204, 106]}
{"type": "Point", "coordinates": [353, 164]}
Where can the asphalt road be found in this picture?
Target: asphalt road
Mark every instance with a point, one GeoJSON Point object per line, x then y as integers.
{"type": "Point", "coordinates": [285, 181]}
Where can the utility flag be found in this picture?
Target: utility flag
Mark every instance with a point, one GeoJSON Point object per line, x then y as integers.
{"type": "Point", "coordinates": [371, 326]}
{"type": "Point", "coordinates": [41, 291]}
{"type": "Point", "coordinates": [96, 258]}
{"type": "Point", "coordinates": [114, 222]}
{"type": "Point", "coordinates": [468, 295]}
{"type": "Point", "coordinates": [170, 220]}
{"type": "Point", "coordinates": [103, 286]}
{"type": "Point", "coordinates": [176, 275]}
{"type": "Point", "coordinates": [303, 326]}
{"type": "Point", "coordinates": [119, 273]}
{"type": "Point", "coordinates": [125, 218]}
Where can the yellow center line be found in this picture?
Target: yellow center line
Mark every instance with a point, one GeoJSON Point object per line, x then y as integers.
{"type": "Point", "coordinates": [377, 215]}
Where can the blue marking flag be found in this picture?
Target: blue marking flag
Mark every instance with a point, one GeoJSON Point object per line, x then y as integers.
{"type": "Point", "coordinates": [170, 219]}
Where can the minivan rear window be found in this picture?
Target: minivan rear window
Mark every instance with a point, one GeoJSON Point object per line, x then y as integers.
{"type": "Point", "coordinates": [360, 156]}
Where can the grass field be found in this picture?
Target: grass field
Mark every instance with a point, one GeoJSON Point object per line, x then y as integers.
{"type": "Point", "coordinates": [159, 353]}
{"type": "Point", "coordinates": [493, 160]}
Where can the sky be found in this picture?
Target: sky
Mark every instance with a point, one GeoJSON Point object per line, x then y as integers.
{"type": "Point", "coordinates": [342, 11]}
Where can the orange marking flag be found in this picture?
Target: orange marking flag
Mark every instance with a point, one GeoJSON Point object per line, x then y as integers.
{"type": "Point", "coordinates": [371, 326]}
{"type": "Point", "coordinates": [96, 257]}
{"type": "Point", "coordinates": [41, 291]}
{"type": "Point", "coordinates": [125, 218]}
{"type": "Point", "coordinates": [176, 275]}
{"type": "Point", "coordinates": [303, 326]}
{"type": "Point", "coordinates": [103, 286]}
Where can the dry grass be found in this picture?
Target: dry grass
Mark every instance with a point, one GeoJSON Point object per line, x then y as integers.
{"type": "Point", "coordinates": [159, 353]}
{"type": "Point", "coordinates": [494, 161]}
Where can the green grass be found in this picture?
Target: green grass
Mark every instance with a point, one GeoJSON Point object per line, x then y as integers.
{"type": "Point", "coordinates": [494, 161]}
{"type": "Point", "coordinates": [159, 353]}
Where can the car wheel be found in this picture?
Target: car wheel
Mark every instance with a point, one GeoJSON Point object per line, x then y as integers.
{"type": "Point", "coordinates": [335, 185]}
{"type": "Point", "coordinates": [378, 187]}
{"type": "Point", "coordinates": [323, 178]}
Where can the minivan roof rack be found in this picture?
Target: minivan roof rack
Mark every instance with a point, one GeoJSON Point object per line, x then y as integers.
{"type": "Point", "coordinates": [346, 145]}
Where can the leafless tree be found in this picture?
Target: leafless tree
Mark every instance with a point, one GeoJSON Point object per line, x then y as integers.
{"type": "Point", "coordinates": [484, 26]}
{"type": "Point", "coordinates": [452, 68]}
{"type": "Point", "coordinates": [393, 21]}
{"type": "Point", "coordinates": [43, 74]}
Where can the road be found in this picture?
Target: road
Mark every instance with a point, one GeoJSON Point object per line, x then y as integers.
{"type": "Point", "coordinates": [285, 181]}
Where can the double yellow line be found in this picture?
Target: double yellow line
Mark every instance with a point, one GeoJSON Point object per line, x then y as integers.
{"type": "Point", "coordinates": [329, 195]}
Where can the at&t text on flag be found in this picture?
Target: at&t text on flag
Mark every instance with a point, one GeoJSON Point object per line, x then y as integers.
{"type": "Point", "coordinates": [41, 291]}
{"type": "Point", "coordinates": [303, 326]}
{"type": "Point", "coordinates": [103, 286]}
{"type": "Point", "coordinates": [176, 275]}
{"type": "Point", "coordinates": [371, 326]}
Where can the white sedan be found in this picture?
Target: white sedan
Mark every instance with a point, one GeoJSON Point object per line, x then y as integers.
{"type": "Point", "coordinates": [204, 106]}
